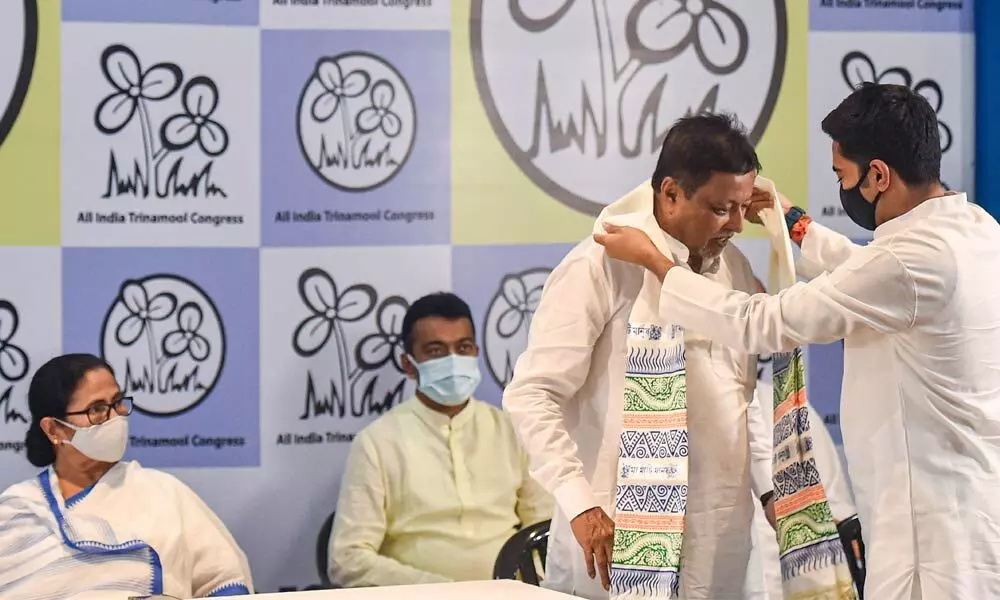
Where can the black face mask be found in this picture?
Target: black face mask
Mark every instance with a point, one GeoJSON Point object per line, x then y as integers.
{"type": "Point", "coordinates": [860, 211]}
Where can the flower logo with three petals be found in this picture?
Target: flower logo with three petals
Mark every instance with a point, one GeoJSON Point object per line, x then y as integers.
{"type": "Point", "coordinates": [336, 87]}
{"type": "Point", "coordinates": [521, 305]}
{"type": "Point", "coordinates": [142, 311]}
{"type": "Point", "coordinates": [201, 98]}
{"type": "Point", "coordinates": [122, 70]}
{"type": "Point", "coordinates": [13, 360]}
{"type": "Point", "coordinates": [508, 320]}
{"type": "Point", "coordinates": [386, 344]}
{"type": "Point", "coordinates": [329, 307]}
{"type": "Point", "coordinates": [379, 115]}
{"type": "Point", "coordinates": [858, 68]}
{"type": "Point", "coordinates": [660, 30]}
{"type": "Point", "coordinates": [186, 337]}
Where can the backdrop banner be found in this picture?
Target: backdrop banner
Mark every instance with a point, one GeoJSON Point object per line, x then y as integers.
{"type": "Point", "coordinates": [234, 202]}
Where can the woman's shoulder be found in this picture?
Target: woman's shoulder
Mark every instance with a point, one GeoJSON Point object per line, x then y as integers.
{"type": "Point", "coordinates": [26, 488]}
{"type": "Point", "coordinates": [21, 497]}
{"type": "Point", "coordinates": [154, 480]}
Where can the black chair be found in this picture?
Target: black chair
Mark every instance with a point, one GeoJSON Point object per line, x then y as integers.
{"type": "Point", "coordinates": [323, 551]}
{"type": "Point", "coordinates": [322, 556]}
{"type": "Point", "coordinates": [517, 556]}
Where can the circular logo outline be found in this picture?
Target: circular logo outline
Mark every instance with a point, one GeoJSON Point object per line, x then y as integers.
{"type": "Point", "coordinates": [25, 73]}
{"type": "Point", "coordinates": [222, 331]}
{"type": "Point", "coordinates": [409, 148]}
{"type": "Point", "coordinates": [536, 175]}
{"type": "Point", "coordinates": [522, 274]}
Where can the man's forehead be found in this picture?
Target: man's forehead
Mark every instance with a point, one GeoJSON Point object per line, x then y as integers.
{"type": "Point", "coordinates": [839, 163]}
{"type": "Point", "coordinates": [728, 188]}
{"type": "Point", "coordinates": [839, 160]}
{"type": "Point", "coordinates": [431, 330]}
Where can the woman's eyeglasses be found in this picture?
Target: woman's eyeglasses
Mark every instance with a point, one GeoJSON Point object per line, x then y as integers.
{"type": "Point", "coordinates": [100, 412]}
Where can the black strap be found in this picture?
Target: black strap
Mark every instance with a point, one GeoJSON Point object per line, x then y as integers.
{"type": "Point", "coordinates": [850, 532]}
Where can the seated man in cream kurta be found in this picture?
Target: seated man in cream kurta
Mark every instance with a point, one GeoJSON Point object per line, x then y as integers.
{"type": "Point", "coordinates": [433, 488]}
{"type": "Point", "coordinates": [568, 394]}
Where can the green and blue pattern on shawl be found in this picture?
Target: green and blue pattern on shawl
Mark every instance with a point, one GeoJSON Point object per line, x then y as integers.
{"type": "Point", "coordinates": [651, 494]}
{"type": "Point", "coordinates": [813, 563]}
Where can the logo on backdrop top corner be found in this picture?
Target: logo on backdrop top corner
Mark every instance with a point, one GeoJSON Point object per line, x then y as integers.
{"type": "Point", "coordinates": [165, 127]}
{"type": "Point", "coordinates": [857, 68]}
{"type": "Point", "coordinates": [587, 125]}
{"type": "Point", "coordinates": [18, 47]}
{"type": "Point", "coordinates": [508, 320]}
{"type": "Point", "coordinates": [356, 121]}
{"type": "Point", "coordinates": [166, 341]}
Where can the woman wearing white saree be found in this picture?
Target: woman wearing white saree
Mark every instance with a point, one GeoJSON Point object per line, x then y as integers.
{"type": "Point", "coordinates": [93, 526]}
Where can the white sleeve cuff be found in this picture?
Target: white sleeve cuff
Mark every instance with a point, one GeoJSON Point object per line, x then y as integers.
{"type": "Point", "coordinates": [841, 510]}
{"type": "Point", "coordinates": [574, 497]}
{"type": "Point", "coordinates": [816, 237]}
{"type": "Point", "coordinates": [760, 477]}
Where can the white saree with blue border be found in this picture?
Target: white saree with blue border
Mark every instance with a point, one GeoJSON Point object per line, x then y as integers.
{"type": "Point", "coordinates": [135, 532]}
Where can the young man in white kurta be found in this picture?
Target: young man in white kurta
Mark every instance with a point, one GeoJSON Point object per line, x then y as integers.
{"type": "Point", "coordinates": [920, 409]}
{"type": "Point", "coordinates": [919, 310]}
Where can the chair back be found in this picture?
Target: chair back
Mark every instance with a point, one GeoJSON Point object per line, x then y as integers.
{"type": "Point", "coordinates": [517, 556]}
{"type": "Point", "coordinates": [323, 549]}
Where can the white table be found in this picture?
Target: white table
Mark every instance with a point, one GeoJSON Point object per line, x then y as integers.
{"type": "Point", "coordinates": [499, 589]}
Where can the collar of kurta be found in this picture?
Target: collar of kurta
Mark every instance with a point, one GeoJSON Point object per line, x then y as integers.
{"type": "Point", "coordinates": [635, 209]}
{"type": "Point", "coordinates": [942, 205]}
{"type": "Point", "coordinates": [438, 421]}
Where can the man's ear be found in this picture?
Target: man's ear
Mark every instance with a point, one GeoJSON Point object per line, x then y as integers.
{"type": "Point", "coordinates": [881, 175]}
{"type": "Point", "coordinates": [669, 189]}
{"type": "Point", "coordinates": [409, 368]}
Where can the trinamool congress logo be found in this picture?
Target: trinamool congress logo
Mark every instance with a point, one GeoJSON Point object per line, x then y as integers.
{"type": "Point", "coordinates": [582, 93]}
{"type": "Point", "coordinates": [165, 339]}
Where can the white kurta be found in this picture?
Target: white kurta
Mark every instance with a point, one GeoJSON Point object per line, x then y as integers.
{"type": "Point", "coordinates": [565, 401]}
{"type": "Point", "coordinates": [919, 309]}
{"type": "Point", "coordinates": [136, 531]}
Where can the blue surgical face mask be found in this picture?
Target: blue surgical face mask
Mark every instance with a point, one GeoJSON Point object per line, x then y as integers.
{"type": "Point", "coordinates": [449, 380]}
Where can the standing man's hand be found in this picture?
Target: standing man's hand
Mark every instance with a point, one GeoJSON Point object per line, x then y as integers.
{"type": "Point", "coordinates": [595, 532]}
{"type": "Point", "coordinates": [769, 513]}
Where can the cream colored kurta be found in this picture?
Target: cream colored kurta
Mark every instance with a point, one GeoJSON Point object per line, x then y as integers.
{"type": "Point", "coordinates": [919, 309]}
{"type": "Point", "coordinates": [566, 402]}
{"type": "Point", "coordinates": [427, 499]}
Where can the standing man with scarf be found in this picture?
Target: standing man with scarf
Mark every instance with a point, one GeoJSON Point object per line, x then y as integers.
{"type": "Point", "coordinates": [603, 376]}
{"type": "Point", "coordinates": [919, 310]}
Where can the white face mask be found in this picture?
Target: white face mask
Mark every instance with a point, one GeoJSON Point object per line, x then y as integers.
{"type": "Point", "coordinates": [105, 442]}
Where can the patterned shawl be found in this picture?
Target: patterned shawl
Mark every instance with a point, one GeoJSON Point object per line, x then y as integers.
{"type": "Point", "coordinates": [651, 492]}
{"type": "Point", "coordinates": [813, 563]}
